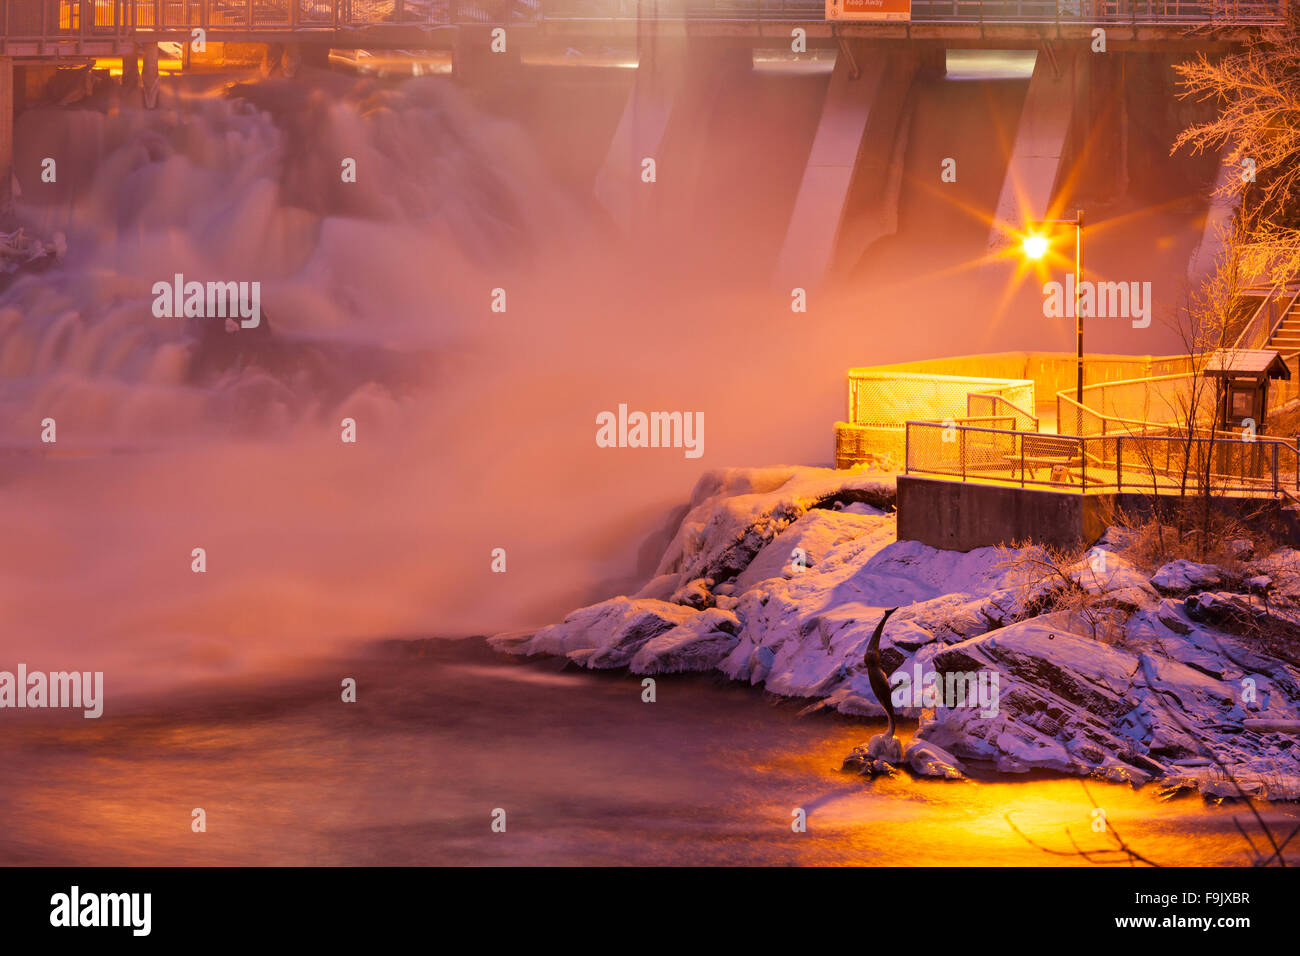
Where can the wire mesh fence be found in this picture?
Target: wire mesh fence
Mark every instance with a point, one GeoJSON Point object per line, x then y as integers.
{"type": "Point", "coordinates": [881, 401]}
{"type": "Point", "coordinates": [882, 397]}
{"type": "Point", "coordinates": [1161, 404]}
{"type": "Point", "coordinates": [1136, 406]}
{"type": "Point", "coordinates": [882, 445]}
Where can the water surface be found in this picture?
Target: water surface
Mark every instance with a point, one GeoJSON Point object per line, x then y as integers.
{"type": "Point", "coordinates": [445, 732]}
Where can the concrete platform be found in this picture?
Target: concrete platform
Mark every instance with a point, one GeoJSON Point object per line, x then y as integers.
{"type": "Point", "coordinates": [962, 516]}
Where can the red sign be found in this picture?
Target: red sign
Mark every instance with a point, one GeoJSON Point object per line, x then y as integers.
{"type": "Point", "coordinates": [868, 9]}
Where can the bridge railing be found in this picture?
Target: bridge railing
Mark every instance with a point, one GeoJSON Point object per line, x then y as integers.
{"type": "Point", "coordinates": [36, 19]}
{"type": "Point", "coordinates": [935, 11]}
{"type": "Point", "coordinates": [40, 19]}
{"type": "Point", "coordinates": [1214, 464]}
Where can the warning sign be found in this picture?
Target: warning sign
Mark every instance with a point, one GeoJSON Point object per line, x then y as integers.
{"type": "Point", "coordinates": [868, 9]}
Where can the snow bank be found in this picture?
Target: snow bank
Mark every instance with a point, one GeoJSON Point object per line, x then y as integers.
{"type": "Point", "coordinates": [778, 576]}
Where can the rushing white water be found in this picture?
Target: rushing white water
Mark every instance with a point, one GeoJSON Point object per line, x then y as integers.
{"type": "Point", "coordinates": [475, 428]}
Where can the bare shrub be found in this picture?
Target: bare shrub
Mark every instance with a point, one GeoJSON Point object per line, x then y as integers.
{"type": "Point", "coordinates": [1048, 580]}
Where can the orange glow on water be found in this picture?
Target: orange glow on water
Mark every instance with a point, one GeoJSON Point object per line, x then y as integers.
{"type": "Point", "coordinates": [288, 776]}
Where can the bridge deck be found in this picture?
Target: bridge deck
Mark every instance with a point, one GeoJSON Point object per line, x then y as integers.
{"type": "Point", "coordinates": [70, 27]}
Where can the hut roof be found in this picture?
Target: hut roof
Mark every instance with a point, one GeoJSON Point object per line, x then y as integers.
{"type": "Point", "coordinates": [1246, 363]}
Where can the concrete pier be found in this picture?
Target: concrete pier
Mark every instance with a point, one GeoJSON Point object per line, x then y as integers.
{"type": "Point", "coordinates": [149, 76]}
{"type": "Point", "coordinates": [131, 70]}
{"type": "Point", "coordinates": [852, 155]}
{"type": "Point", "coordinates": [661, 77]}
{"type": "Point", "coordinates": [1038, 156]}
{"type": "Point", "coordinates": [6, 132]}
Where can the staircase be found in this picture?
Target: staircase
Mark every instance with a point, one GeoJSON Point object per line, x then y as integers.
{"type": "Point", "coordinates": [1286, 339]}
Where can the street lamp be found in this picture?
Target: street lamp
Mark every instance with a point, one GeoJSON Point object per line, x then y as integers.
{"type": "Point", "coordinates": [1035, 247]}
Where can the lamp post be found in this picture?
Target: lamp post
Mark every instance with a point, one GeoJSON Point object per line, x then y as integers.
{"type": "Point", "coordinates": [1035, 247]}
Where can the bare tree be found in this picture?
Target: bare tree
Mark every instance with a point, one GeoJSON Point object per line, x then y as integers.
{"type": "Point", "coordinates": [1256, 128]}
{"type": "Point", "coordinates": [1177, 442]}
{"type": "Point", "coordinates": [1045, 578]}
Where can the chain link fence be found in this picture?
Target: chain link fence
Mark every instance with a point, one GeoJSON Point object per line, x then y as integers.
{"type": "Point", "coordinates": [1155, 464]}
{"type": "Point", "coordinates": [1136, 406]}
{"type": "Point", "coordinates": [881, 401]}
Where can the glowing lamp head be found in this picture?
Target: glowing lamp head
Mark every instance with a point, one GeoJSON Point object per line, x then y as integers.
{"type": "Point", "coordinates": [1035, 247]}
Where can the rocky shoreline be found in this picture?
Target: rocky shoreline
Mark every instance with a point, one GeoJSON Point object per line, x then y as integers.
{"type": "Point", "coordinates": [1187, 677]}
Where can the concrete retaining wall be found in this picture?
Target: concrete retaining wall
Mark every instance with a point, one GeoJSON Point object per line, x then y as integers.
{"type": "Point", "coordinates": [962, 516]}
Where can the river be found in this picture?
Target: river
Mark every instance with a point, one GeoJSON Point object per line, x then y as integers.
{"type": "Point", "coordinates": [444, 733]}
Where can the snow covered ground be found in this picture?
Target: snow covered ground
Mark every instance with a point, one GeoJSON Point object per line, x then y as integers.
{"type": "Point", "coordinates": [777, 576]}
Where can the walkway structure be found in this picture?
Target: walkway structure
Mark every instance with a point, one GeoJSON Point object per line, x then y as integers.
{"type": "Point", "coordinates": [49, 28]}
{"type": "Point", "coordinates": [684, 56]}
{"type": "Point", "coordinates": [1152, 432]}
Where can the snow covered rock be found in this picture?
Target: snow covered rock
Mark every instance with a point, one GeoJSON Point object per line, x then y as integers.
{"type": "Point", "coordinates": [697, 644]}
{"type": "Point", "coordinates": [608, 634]}
{"type": "Point", "coordinates": [1241, 548]}
{"type": "Point", "coordinates": [1179, 577]}
{"type": "Point", "coordinates": [879, 756]}
{"type": "Point", "coordinates": [735, 513]}
{"type": "Point", "coordinates": [1054, 696]}
{"type": "Point", "coordinates": [1104, 572]}
{"type": "Point", "coordinates": [807, 543]}
{"type": "Point", "coordinates": [778, 577]}
{"type": "Point", "coordinates": [930, 760]}
{"type": "Point", "coordinates": [1239, 614]}
{"type": "Point", "coordinates": [694, 594]}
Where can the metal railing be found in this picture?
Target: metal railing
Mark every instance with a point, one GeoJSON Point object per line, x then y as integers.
{"type": "Point", "coordinates": [984, 404]}
{"type": "Point", "coordinates": [48, 19]}
{"type": "Point", "coordinates": [937, 11]}
{"type": "Point", "coordinates": [54, 19]}
{"type": "Point", "coordinates": [1132, 406]}
{"type": "Point", "coordinates": [1158, 404]}
{"type": "Point", "coordinates": [1155, 464]}
{"type": "Point", "coordinates": [1268, 317]}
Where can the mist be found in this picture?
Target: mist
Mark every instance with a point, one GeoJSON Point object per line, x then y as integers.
{"type": "Point", "coordinates": [475, 429]}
